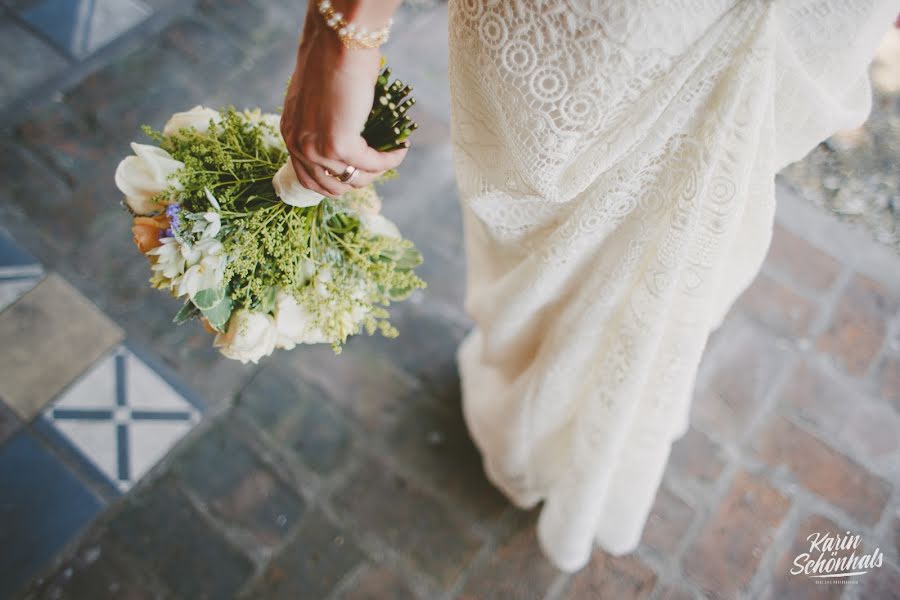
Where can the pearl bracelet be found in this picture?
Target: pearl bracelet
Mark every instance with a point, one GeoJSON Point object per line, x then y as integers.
{"type": "Point", "coordinates": [351, 35]}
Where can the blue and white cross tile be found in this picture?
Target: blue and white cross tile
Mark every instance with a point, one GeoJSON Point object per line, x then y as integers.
{"type": "Point", "coordinates": [19, 272]}
{"type": "Point", "coordinates": [122, 417]}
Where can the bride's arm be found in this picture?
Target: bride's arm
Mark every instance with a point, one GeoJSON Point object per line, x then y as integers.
{"type": "Point", "coordinates": [329, 98]}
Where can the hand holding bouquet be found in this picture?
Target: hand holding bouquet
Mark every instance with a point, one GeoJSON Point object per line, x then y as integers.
{"type": "Point", "coordinates": [263, 261]}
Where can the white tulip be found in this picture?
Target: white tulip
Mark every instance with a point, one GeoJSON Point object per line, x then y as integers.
{"type": "Point", "coordinates": [294, 323]}
{"type": "Point", "coordinates": [379, 225]}
{"type": "Point", "coordinates": [288, 188]}
{"type": "Point", "coordinates": [198, 118]}
{"type": "Point", "coordinates": [249, 337]}
{"type": "Point", "coordinates": [145, 175]}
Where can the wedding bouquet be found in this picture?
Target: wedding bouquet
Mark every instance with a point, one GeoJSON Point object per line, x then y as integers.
{"type": "Point", "coordinates": [263, 262]}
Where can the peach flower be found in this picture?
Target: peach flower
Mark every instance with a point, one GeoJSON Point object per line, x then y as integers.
{"type": "Point", "coordinates": [147, 231]}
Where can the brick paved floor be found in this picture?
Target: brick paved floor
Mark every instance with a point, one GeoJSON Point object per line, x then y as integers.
{"type": "Point", "coordinates": [316, 476]}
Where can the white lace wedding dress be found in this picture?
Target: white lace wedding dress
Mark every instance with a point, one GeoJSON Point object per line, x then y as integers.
{"type": "Point", "coordinates": [615, 162]}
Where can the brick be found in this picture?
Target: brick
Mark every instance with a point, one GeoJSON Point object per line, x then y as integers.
{"type": "Point", "coordinates": [32, 186]}
{"type": "Point", "coordinates": [607, 576]}
{"type": "Point", "coordinates": [311, 565]}
{"type": "Point", "coordinates": [889, 381]}
{"type": "Point", "coordinates": [725, 555]}
{"type": "Point", "coordinates": [256, 22]}
{"type": "Point", "coordinates": [99, 570]}
{"type": "Point", "coordinates": [48, 322]}
{"type": "Point", "coordinates": [438, 446]}
{"type": "Point", "coordinates": [363, 383]}
{"type": "Point", "coordinates": [203, 48]}
{"type": "Point", "coordinates": [73, 144]}
{"type": "Point", "coordinates": [801, 262]}
{"type": "Point", "coordinates": [872, 429]}
{"type": "Point", "coordinates": [786, 584]}
{"type": "Point", "coordinates": [824, 471]}
{"type": "Point", "coordinates": [377, 583]}
{"type": "Point", "coordinates": [882, 583]}
{"type": "Point", "coordinates": [79, 218]}
{"type": "Point", "coordinates": [18, 76]}
{"type": "Point", "coordinates": [858, 325]}
{"type": "Point", "coordinates": [259, 81]}
{"type": "Point", "coordinates": [297, 414]}
{"type": "Point", "coordinates": [426, 349]}
{"type": "Point", "coordinates": [382, 503]}
{"type": "Point", "coordinates": [742, 374]}
{"type": "Point", "coordinates": [143, 87]}
{"type": "Point", "coordinates": [161, 527]}
{"type": "Point", "coordinates": [817, 398]}
{"type": "Point", "coordinates": [238, 490]}
{"type": "Point", "coordinates": [778, 307]}
{"type": "Point", "coordinates": [667, 523]}
{"type": "Point", "coordinates": [697, 458]}
{"type": "Point", "coordinates": [517, 569]}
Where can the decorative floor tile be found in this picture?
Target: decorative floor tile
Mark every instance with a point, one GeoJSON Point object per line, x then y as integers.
{"type": "Point", "coordinates": [19, 272]}
{"type": "Point", "coordinates": [50, 336]}
{"type": "Point", "coordinates": [79, 27]}
{"type": "Point", "coordinates": [122, 416]}
{"type": "Point", "coordinates": [42, 507]}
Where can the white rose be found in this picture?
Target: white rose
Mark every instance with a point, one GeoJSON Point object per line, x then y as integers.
{"type": "Point", "coordinates": [379, 225]}
{"type": "Point", "coordinates": [249, 337]}
{"type": "Point", "coordinates": [198, 118]}
{"type": "Point", "coordinates": [145, 175]}
{"type": "Point", "coordinates": [288, 188]}
{"type": "Point", "coordinates": [294, 323]}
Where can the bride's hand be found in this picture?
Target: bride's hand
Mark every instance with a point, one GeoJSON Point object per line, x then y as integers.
{"type": "Point", "coordinates": [325, 109]}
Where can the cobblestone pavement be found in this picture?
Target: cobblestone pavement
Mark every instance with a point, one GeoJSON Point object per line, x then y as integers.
{"type": "Point", "coordinates": [137, 463]}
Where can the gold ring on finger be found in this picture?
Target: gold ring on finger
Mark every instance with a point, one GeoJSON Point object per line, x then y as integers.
{"type": "Point", "coordinates": [347, 175]}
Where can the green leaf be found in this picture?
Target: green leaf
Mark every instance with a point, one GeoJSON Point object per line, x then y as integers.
{"type": "Point", "coordinates": [206, 299]}
{"type": "Point", "coordinates": [187, 312]}
{"type": "Point", "coordinates": [267, 301]}
{"type": "Point", "coordinates": [409, 259]}
{"type": "Point", "coordinates": [219, 313]}
{"type": "Point", "coordinates": [398, 294]}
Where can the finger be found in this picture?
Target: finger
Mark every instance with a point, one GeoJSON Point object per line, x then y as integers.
{"type": "Point", "coordinates": [326, 178]}
{"type": "Point", "coordinates": [310, 152]}
{"type": "Point", "coordinates": [306, 179]}
{"type": "Point", "coordinates": [363, 178]}
{"type": "Point", "coordinates": [362, 156]}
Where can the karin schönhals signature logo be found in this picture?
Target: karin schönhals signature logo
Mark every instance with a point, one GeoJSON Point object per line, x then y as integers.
{"type": "Point", "coordinates": [834, 558]}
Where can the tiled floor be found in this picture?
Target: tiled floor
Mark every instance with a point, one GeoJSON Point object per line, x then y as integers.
{"type": "Point", "coordinates": [312, 475]}
{"type": "Point", "coordinates": [19, 271]}
{"type": "Point", "coordinates": [42, 507]}
{"type": "Point", "coordinates": [82, 416]}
